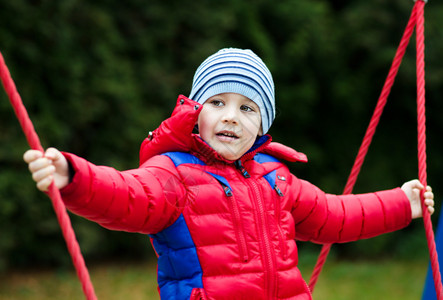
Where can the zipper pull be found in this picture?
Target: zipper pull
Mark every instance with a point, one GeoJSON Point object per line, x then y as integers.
{"type": "Point", "coordinates": [227, 190]}
{"type": "Point", "coordinates": [279, 192]}
{"type": "Point", "coordinates": [242, 169]}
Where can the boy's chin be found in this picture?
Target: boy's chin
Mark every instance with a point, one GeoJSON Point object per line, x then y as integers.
{"type": "Point", "coordinates": [230, 152]}
{"type": "Point", "coordinates": [230, 155]}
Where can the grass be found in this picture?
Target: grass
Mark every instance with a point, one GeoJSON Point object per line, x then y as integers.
{"type": "Point", "coordinates": [368, 280]}
{"type": "Point", "coordinates": [383, 279]}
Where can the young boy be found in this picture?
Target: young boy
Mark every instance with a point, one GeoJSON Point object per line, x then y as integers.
{"type": "Point", "coordinates": [222, 211]}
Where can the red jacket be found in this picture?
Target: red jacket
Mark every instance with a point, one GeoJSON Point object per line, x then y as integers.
{"type": "Point", "coordinates": [222, 229]}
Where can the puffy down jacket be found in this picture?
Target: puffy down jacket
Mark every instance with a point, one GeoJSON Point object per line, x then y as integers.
{"type": "Point", "coordinates": [223, 229]}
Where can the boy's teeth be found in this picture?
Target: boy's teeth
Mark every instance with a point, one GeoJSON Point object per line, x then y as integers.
{"type": "Point", "coordinates": [227, 134]}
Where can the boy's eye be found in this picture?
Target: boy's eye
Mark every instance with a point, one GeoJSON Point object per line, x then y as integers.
{"type": "Point", "coordinates": [246, 108]}
{"type": "Point", "coordinates": [216, 102]}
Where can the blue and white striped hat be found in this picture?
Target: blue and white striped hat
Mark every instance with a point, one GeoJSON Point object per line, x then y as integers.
{"type": "Point", "coordinates": [232, 70]}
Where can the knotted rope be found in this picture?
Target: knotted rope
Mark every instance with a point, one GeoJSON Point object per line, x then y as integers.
{"type": "Point", "coordinates": [53, 193]}
{"type": "Point", "coordinates": [416, 20]}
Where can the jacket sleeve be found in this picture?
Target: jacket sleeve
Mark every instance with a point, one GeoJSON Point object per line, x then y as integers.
{"type": "Point", "coordinates": [326, 218]}
{"type": "Point", "coordinates": [145, 200]}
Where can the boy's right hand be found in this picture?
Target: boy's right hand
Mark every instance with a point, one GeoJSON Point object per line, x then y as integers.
{"type": "Point", "coordinates": [52, 166]}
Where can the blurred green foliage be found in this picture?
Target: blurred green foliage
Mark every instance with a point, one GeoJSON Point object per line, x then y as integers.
{"type": "Point", "coordinates": [96, 76]}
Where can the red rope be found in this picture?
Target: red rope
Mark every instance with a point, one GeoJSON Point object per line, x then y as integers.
{"type": "Point", "coordinates": [369, 135]}
{"type": "Point", "coordinates": [415, 18]}
{"type": "Point", "coordinates": [421, 121]}
{"type": "Point", "coordinates": [54, 193]}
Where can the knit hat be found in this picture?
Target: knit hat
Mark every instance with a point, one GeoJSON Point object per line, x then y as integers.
{"type": "Point", "coordinates": [232, 70]}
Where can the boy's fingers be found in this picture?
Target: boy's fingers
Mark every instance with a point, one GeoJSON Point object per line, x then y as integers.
{"type": "Point", "coordinates": [32, 155]}
{"type": "Point", "coordinates": [43, 173]}
{"type": "Point", "coordinates": [417, 184]}
{"type": "Point", "coordinates": [44, 184]}
{"type": "Point", "coordinates": [431, 209]}
{"type": "Point", "coordinates": [429, 202]}
{"type": "Point", "coordinates": [52, 153]}
{"type": "Point", "coordinates": [429, 195]}
{"type": "Point", "coordinates": [38, 164]}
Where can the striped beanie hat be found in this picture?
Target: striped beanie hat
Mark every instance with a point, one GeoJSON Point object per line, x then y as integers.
{"type": "Point", "coordinates": [232, 70]}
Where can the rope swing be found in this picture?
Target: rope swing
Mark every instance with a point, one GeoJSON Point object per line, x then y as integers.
{"type": "Point", "coordinates": [53, 193]}
{"type": "Point", "coordinates": [416, 20]}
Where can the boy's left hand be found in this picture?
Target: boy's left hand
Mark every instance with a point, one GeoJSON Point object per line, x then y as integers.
{"type": "Point", "coordinates": [412, 190]}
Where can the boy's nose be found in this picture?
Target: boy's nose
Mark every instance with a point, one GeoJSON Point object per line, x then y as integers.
{"type": "Point", "coordinates": [230, 117]}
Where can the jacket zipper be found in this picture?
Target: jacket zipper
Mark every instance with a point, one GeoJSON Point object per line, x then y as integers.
{"type": "Point", "coordinates": [266, 241]}
{"type": "Point", "coordinates": [269, 259]}
{"type": "Point", "coordinates": [237, 223]}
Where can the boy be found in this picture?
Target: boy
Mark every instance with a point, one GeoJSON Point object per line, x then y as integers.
{"type": "Point", "coordinates": [222, 211]}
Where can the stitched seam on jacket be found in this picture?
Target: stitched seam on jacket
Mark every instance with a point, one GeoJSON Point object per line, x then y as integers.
{"type": "Point", "coordinates": [363, 217]}
{"type": "Point", "coordinates": [343, 220]}
{"type": "Point", "coordinates": [385, 221]}
{"type": "Point", "coordinates": [327, 216]}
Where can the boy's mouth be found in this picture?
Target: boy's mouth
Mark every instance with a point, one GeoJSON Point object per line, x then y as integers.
{"type": "Point", "coordinates": [227, 134]}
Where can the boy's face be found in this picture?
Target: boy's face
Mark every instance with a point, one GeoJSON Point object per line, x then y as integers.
{"type": "Point", "coordinates": [230, 123]}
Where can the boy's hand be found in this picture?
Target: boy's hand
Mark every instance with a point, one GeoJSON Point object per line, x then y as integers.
{"type": "Point", "coordinates": [52, 166]}
{"type": "Point", "coordinates": [412, 190]}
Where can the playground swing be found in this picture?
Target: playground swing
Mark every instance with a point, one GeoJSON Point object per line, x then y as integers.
{"type": "Point", "coordinates": [416, 20]}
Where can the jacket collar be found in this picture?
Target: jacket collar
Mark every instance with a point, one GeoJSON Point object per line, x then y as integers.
{"type": "Point", "coordinates": [175, 134]}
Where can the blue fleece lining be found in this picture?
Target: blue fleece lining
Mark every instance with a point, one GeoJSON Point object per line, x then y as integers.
{"type": "Point", "coordinates": [260, 140]}
{"type": "Point", "coordinates": [270, 178]}
{"type": "Point", "coordinates": [265, 158]}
